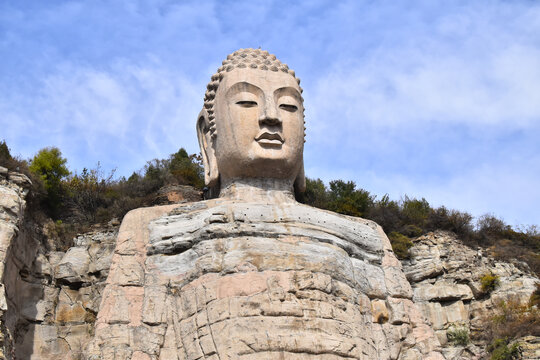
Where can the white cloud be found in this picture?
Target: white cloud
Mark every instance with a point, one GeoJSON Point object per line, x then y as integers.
{"type": "Point", "coordinates": [401, 98]}
{"type": "Point", "coordinates": [144, 111]}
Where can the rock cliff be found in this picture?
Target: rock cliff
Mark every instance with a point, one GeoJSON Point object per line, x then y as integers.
{"type": "Point", "coordinates": [446, 279]}
{"type": "Point", "coordinates": [48, 298]}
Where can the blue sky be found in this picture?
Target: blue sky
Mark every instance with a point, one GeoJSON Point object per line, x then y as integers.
{"type": "Point", "coordinates": [434, 99]}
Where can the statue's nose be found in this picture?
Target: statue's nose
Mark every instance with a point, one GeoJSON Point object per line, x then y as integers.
{"type": "Point", "coordinates": [270, 115]}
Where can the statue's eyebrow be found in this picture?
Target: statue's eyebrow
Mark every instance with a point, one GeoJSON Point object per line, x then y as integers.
{"type": "Point", "coordinates": [289, 90]}
{"type": "Point", "coordinates": [243, 86]}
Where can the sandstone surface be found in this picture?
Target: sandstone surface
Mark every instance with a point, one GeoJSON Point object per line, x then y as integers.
{"type": "Point", "coordinates": [445, 277]}
{"type": "Point", "coordinates": [226, 279]}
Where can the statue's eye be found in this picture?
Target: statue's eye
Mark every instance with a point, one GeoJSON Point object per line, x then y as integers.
{"type": "Point", "coordinates": [246, 103]}
{"type": "Point", "coordinates": [288, 107]}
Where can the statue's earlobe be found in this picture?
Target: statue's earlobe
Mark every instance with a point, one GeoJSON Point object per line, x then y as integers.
{"type": "Point", "coordinates": [206, 142]}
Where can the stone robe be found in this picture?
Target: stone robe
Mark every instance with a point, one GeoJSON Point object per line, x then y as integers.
{"type": "Point", "coordinates": [224, 279]}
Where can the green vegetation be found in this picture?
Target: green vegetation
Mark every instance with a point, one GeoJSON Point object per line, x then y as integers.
{"type": "Point", "coordinates": [400, 244]}
{"type": "Point", "coordinates": [500, 350]}
{"type": "Point", "coordinates": [50, 167]}
{"type": "Point", "coordinates": [511, 320]}
{"type": "Point", "coordinates": [489, 283]}
{"type": "Point", "coordinates": [458, 335]}
{"type": "Point", "coordinates": [5, 154]}
{"type": "Point", "coordinates": [76, 201]}
{"type": "Point", "coordinates": [345, 198]}
{"type": "Point", "coordinates": [11, 162]}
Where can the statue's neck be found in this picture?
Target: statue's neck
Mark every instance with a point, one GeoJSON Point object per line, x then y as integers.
{"type": "Point", "coordinates": [258, 190]}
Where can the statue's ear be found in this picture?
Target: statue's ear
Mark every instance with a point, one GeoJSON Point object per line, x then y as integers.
{"type": "Point", "coordinates": [300, 181]}
{"type": "Point", "coordinates": [206, 143]}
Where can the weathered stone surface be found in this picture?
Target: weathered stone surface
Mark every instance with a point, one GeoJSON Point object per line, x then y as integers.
{"type": "Point", "coordinates": [449, 291]}
{"type": "Point", "coordinates": [254, 276]}
{"type": "Point", "coordinates": [74, 265]}
{"type": "Point", "coordinates": [43, 316]}
{"type": "Point", "coordinates": [174, 194]}
{"type": "Point", "coordinates": [530, 346]}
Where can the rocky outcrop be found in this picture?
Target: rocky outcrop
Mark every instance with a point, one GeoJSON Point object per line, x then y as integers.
{"type": "Point", "coordinates": [174, 194]}
{"type": "Point", "coordinates": [14, 188]}
{"type": "Point", "coordinates": [445, 277]}
{"type": "Point", "coordinates": [52, 303]}
{"type": "Point", "coordinates": [48, 299]}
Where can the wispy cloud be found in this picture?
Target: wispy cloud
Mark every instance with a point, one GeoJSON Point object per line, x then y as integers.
{"type": "Point", "coordinates": [435, 99]}
{"type": "Point", "coordinates": [121, 116]}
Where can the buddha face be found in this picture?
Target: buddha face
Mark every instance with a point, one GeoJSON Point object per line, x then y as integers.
{"type": "Point", "coordinates": [259, 125]}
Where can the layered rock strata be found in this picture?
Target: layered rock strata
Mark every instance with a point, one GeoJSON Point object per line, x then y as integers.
{"type": "Point", "coordinates": [14, 188]}
{"type": "Point", "coordinates": [445, 277]}
{"type": "Point", "coordinates": [222, 279]}
{"type": "Point", "coordinates": [48, 299]}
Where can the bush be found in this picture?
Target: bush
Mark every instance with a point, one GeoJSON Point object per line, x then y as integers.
{"type": "Point", "coordinates": [489, 283]}
{"type": "Point", "coordinates": [412, 230]}
{"type": "Point", "coordinates": [511, 320]}
{"type": "Point", "coordinates": [400, 244]}
{"type": "Point", "coordinates": [535, 297]}
{"type": "Point", "coordinates": [451, 220]}
{"type": "Point", "coordinates": [500, 350]}
{"type": "Point", "coordinates": [458, 335]}
{"type": "Point", "coordinates": [88, 192]}
{"type": "Point", "coordinates": [14, 163]}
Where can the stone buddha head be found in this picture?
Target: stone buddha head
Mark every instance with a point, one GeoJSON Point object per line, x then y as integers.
{"type": "Point", "coordinates": [252, 124]}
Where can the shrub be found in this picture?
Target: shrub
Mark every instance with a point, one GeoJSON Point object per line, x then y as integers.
{"type": "Point", "coordinates": [489, 282]}
{"type": "Point", "coordinates": [535, 297]}
{"type": "Point", "coordinates": [412, 230]}
{"type": "Point", "coordinates": [490, 228]}
{"type": "Point", "coordinates": [511, 320]}
{"type": "Point", "coordinates": [14, 163]}
{"type": "Point", "coordinates": [458, 335]}
{"type": "Point", "coordinates": [500, 350]}
{"type": "Point", "coordinates": [400, 244]}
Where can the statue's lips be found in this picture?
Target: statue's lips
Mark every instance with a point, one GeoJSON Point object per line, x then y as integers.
{"type": "Point", "coordinates": [267, 138]}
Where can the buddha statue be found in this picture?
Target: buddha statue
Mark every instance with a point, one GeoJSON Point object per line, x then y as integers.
{"type": "Point", "coordinates": [251, 273]}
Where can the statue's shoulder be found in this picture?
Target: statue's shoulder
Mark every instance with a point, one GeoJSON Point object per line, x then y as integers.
{"type": "Point", "coordinates": [317, 212]}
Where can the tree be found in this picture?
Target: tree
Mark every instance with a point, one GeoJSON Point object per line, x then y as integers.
{"type": "Point", "coordinates": [186, 169]}
{"type": "Point", "coordinates": [386, 213]}
{"type": "Point", "coordinates": [315, 194]}
{"type": "Point", "coordinates": [49, 165]}
{"type": "Point", "coordinates": [346, 199]}
{"type": "Point", "coordinates": [5, 155]}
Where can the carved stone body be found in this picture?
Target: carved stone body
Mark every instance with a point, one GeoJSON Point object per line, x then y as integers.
{"type": "Point", "coordinates": [227, 280]}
